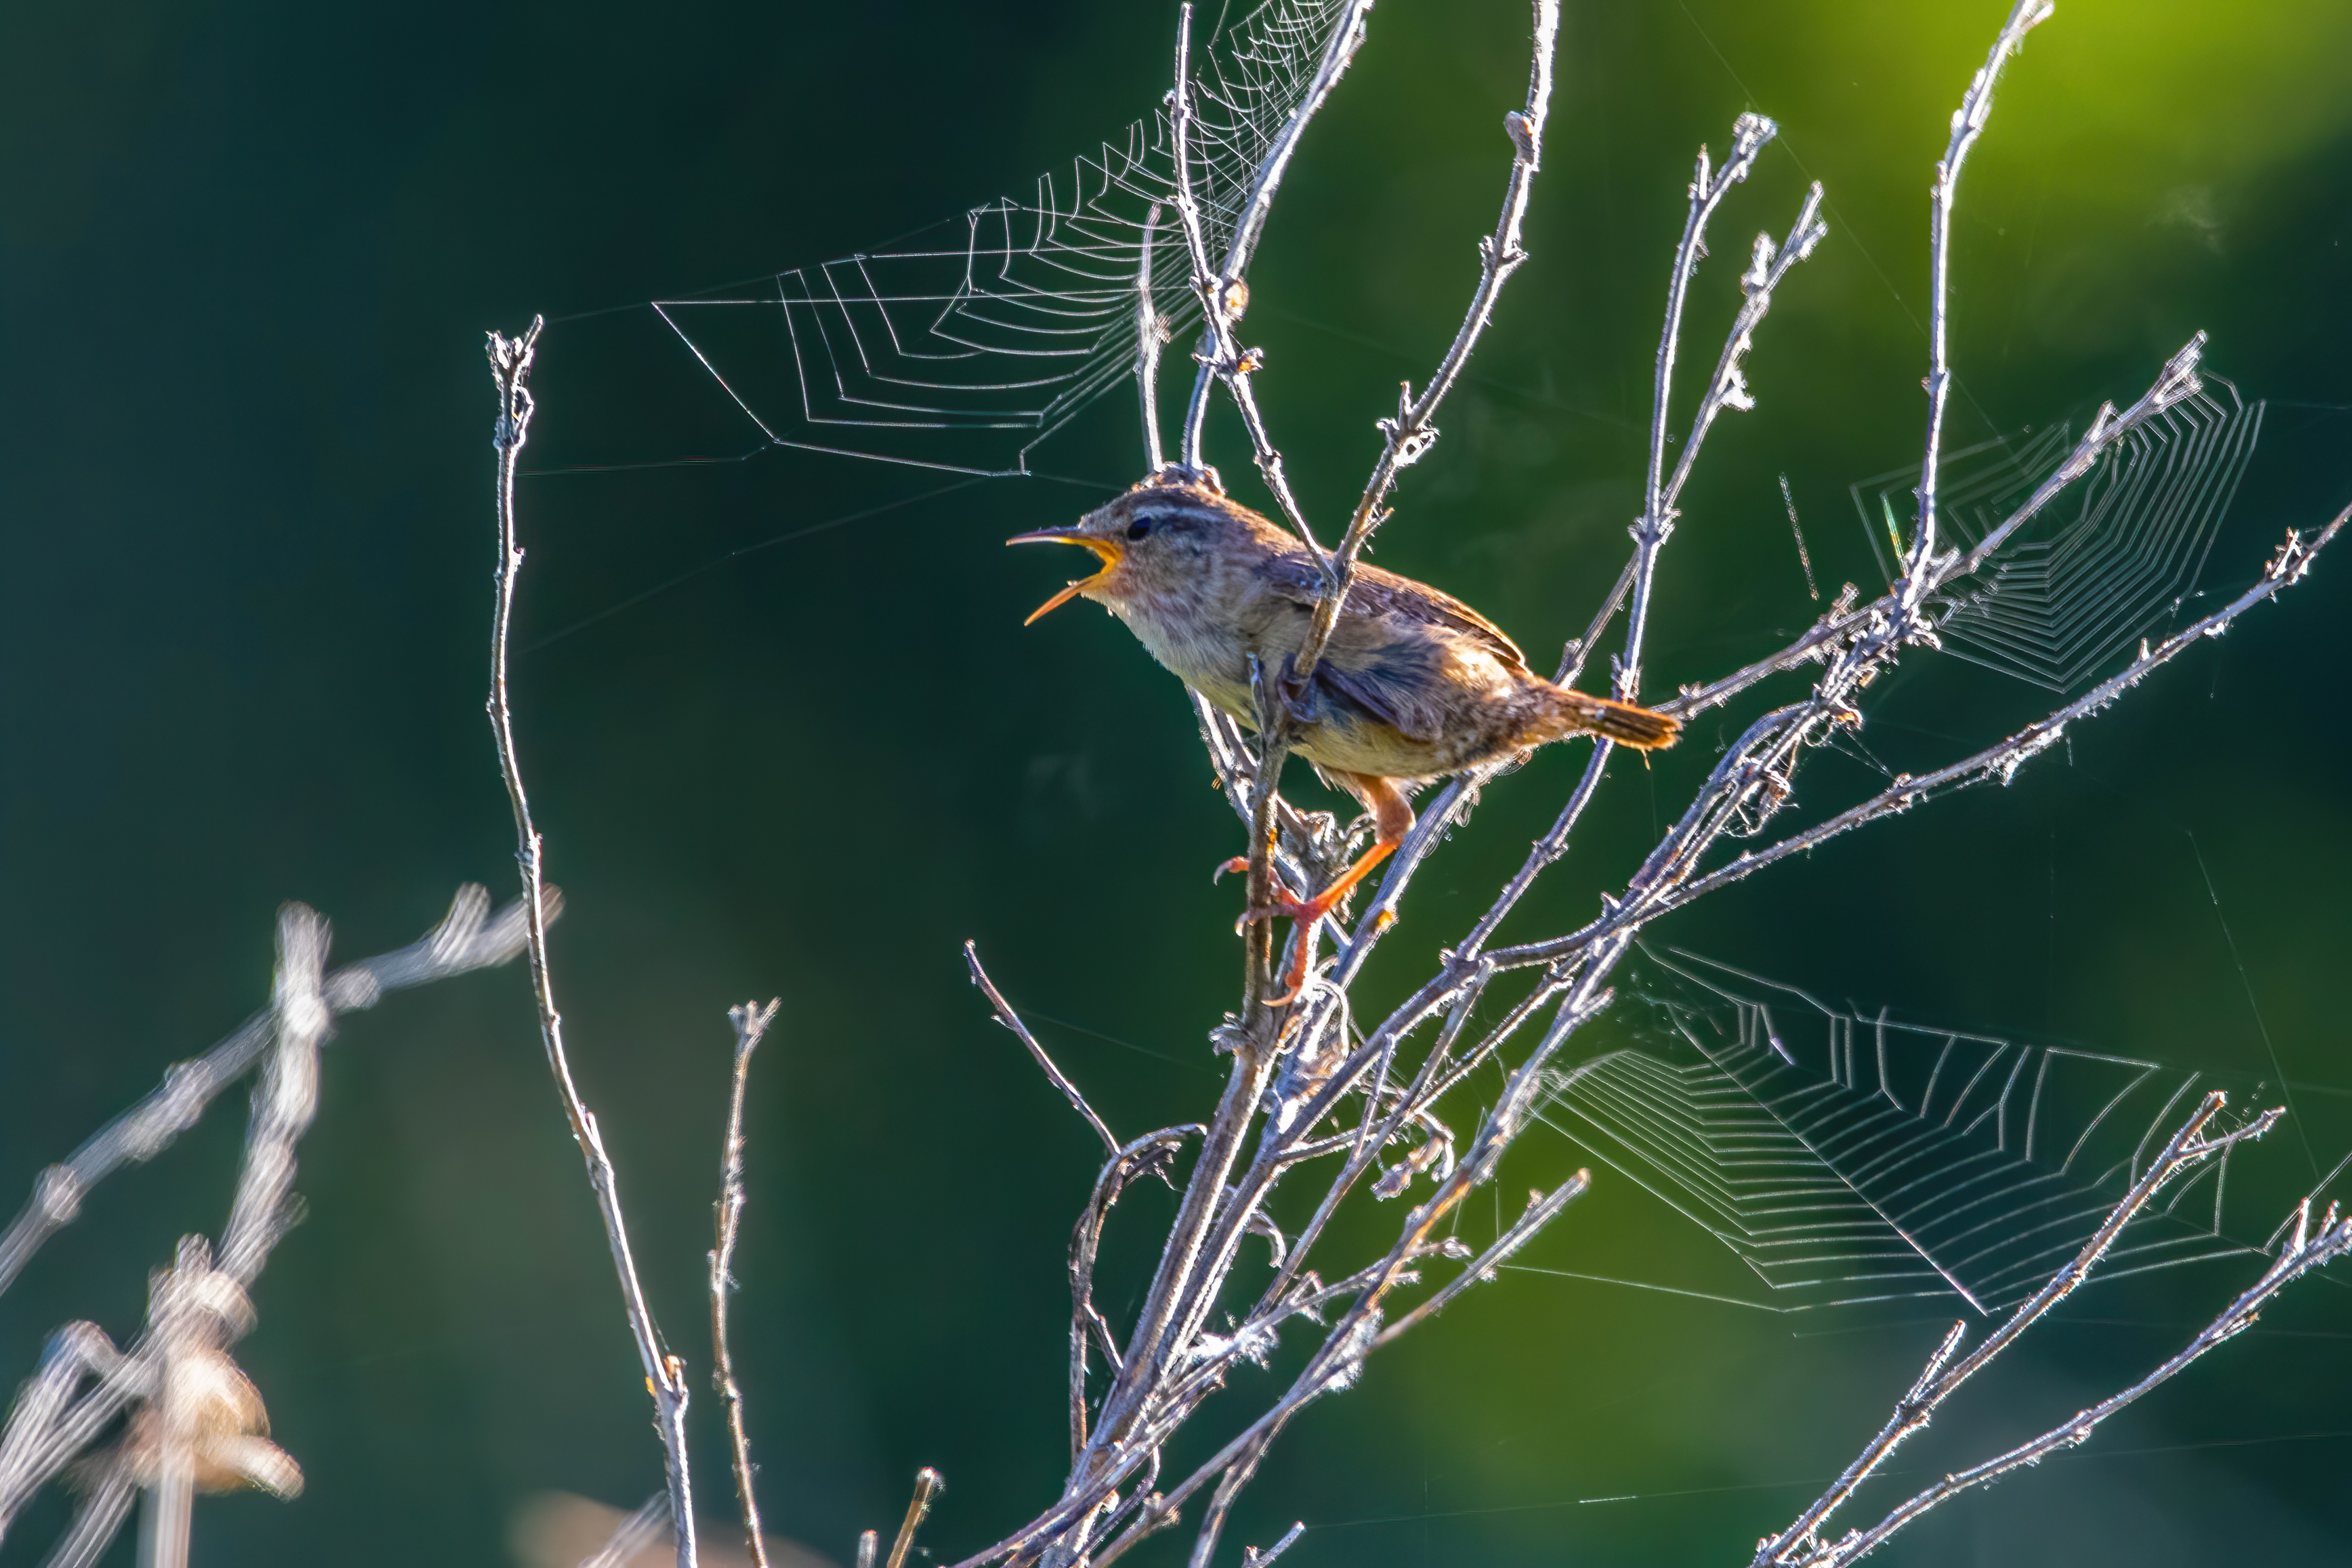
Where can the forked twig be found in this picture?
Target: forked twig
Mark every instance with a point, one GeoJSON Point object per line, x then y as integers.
{"type": "Point", "coordinates": [1406, 439]}
{"type": "Point", "coordinates": [511, 363]}
{"type": "Point", "coordinates": [1967, 124]}
{"type": "Point", "coordinates": [193, 1419]}
{"type": "Point", "coordinates": [1222, 287]}
{"type": "Point", "coordinates": [1750, 132]}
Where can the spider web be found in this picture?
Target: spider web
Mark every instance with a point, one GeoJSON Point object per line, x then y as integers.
{"type": "Point", "coordinates": [2111, 563]}
{"type": "Point", "coordinates": [967, 349]}
{"type": "Point", "coordinates": [1847, 1158]}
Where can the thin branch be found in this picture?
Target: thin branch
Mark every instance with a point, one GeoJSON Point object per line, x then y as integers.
{"type": "Point", "coordinates": [1150, 333]}
{"type": "Point", "coordinates": [1012, 1021]}
{"type": "Point", "coordinates": [1404, 441]}
{"type": "Point", "coordinates": [1728, 388]}
{"type": "Point", "coordinates": [1541, 1210]}
{"type": "Point", "coordinates": [1342, 1356]}
{"type": "Point", "coordinates": [284, 1102]}
{"type": "Point", "coordinates": [1253, 1558]}
{"type": "Point", "coordinates": [750, 1021]}
{"type": "Point", "coordinates": [1407, 438]}
{"type": "Point", "coordinates": [1224, 292]}
{"type": "Point", "coordinates": [927, 1487]}
{"type": "Point", "coordinates": [2175, 382]}
{"type": "Point", "coordinates": [511, 363]}
{"type": "Point", "coordinates": [96, 1521]}
{"type": "Point", "coordinates": [1750, 132]}
{"type": "Point", "coordinates": [1149, 1153]}
{"type": "Point", "coordinates": [1967, 124]}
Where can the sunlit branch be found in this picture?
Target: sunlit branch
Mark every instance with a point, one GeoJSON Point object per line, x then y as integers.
{"type": "Point", "coordinates": [1967, 124]}
{"type": "Point", "coordinates": [510, 364]}
{"type": "Point", "coordinates": [750, 1021]}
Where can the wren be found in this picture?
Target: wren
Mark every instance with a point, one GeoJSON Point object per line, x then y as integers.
{"type": "Point", "coordinates": [1413, 684]}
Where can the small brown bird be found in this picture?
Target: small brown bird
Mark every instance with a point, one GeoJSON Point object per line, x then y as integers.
{"type": "Point", "coordinates": [1414, 684]}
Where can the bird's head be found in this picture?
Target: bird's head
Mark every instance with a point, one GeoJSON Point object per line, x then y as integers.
{"type": "Point", "coordinates": [1157, 536]}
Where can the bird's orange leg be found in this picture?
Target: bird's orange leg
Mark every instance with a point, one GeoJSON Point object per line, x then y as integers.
{"type": "Point", "coordinates": [1391, 819]}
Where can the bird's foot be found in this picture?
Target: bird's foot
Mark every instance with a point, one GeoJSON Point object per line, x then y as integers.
{"type": "Point", "coordinates": [1288, 905]}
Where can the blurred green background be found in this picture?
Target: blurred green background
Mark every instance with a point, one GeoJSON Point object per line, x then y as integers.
{"type": "Point", "coordinates": [246, 254]}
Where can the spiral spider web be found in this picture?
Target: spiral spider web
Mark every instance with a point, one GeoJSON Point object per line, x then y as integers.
{"type": "Point", "coordinates": [2111, 563]}
{"type": "Point", "coordinates": [965, 350]}
{"type": "Point", "coordinates": [1846, 1158]}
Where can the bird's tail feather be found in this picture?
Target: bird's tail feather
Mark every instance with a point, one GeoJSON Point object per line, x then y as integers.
{"type": "Point", "coordinates": [1640, 728]}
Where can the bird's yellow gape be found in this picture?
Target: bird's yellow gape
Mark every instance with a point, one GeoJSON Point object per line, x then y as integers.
{"type": "Point", "coordinates": [1108, 550]}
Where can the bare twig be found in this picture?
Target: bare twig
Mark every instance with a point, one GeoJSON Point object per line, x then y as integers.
{"type": "Point", "coordinates": [1012, 1021]}
{"type": "Point", "coordinates": [2306, 1254]}
{"type": "Point", "coordinates": [2000, 762]}
{"type": "Point", "coordinates": [284, 1102]}
{"type": "Point", "coordinates": [200, 1417]}
{"type": "Point", "coordinates": [1150, 334]}
{"type": "Point", "coordinates": [1728, 388]}
{"type": "Point", "coordinates": [1541, 1210]}
{"type": "Point", "coordinates": [1750, 132]}
{"type": "Point", "coordinates": [2175, 382]}
{"type": "Point", "coordinates": [1253, 1558]}
{"type": "Point", "coordinates": [1223, 288]}
{"type": "Point", "coordinates": [511, 363]}
{"type": "Point", "coordinates": [927, 1487]}
{"type": "Point", "coordinates": [1407, 438]}
{"type": "Point", "coordinates": [1967, 124]}
{"type": "Point", "coordinates": [750, 1021]}
{"type": "Point", "coordinates": [1151, 1153]}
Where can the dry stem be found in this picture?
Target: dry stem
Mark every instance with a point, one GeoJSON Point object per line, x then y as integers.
{"type": "Point", "coordinates": [510, 361]}
{"type": "Point", "coordinates": [750, 1021]}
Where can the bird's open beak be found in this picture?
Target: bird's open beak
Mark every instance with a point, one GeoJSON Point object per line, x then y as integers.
{"type": "Point", "coordinates": [1111, 550]}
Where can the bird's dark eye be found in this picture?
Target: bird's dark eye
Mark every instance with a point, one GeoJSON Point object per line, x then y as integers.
{"type": "Point", "coordinates": [1141, 526]}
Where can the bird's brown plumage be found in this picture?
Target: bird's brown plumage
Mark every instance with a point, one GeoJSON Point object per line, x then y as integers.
{"type": "Point", "coordinates": [1413, 686]}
